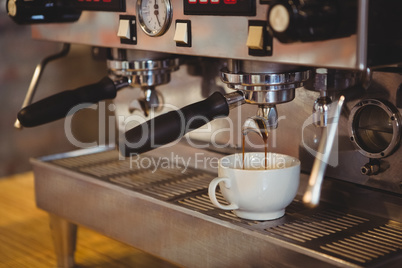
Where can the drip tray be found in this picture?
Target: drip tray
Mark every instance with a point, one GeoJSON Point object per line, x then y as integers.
{"type": "Point", "coordinates": [333, 235]}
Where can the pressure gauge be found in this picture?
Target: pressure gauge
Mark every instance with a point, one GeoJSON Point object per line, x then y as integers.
{"type": "Point", "coordinates": [154, 16]}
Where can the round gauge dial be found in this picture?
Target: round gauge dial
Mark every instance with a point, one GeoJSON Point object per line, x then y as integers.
{"type": "Point", "coordinates": [154, 16]}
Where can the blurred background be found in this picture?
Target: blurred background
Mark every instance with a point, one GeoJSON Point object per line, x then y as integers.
{"type": "Point", "coordinates": [19, 55]}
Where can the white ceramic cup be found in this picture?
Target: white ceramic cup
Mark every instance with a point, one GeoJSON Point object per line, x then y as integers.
{"type": "Point", "coordinates": [256, 193]}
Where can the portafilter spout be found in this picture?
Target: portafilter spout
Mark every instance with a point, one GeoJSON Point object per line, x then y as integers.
{"type": "Point", "coordinates": [266, 118]}
{"type": "Point", "coordinates": [145, 70]}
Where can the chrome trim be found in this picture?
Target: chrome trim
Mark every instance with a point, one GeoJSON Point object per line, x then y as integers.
{"type": "Point", "coordinates": [166, 23]}
{"type": "Point", "coordinates": [395, 119]}
{"type": "Point", "coordinates": [312, 195]}
{"type": "Point", "coordinates": [362, 30]}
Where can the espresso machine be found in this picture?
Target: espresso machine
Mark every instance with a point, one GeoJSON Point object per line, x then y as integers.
{"type": "Point", "coordinates": [319, 80]}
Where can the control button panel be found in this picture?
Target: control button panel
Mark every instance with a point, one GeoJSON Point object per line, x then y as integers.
{"type": "Point", "coordinates": [127, 30]}
{"type": "Point", "coordinates": [220, 7]}
{"type": "Point", "coordinates": [255, 39]}
{"type": "Point", "coordinates": [182, 35]}
{"type": "Point", "coordinates": [259, 41]}
{"type": "Point", "coordinates": [124, 29]}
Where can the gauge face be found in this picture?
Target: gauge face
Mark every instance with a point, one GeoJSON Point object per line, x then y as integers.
{"type": "Point", "coordinates": [154, 16]}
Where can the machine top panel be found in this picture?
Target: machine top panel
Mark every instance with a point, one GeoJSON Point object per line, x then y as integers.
{"type": "Point", "coordinates": [236, 29]}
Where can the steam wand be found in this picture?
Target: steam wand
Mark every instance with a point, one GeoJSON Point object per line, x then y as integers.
{"type": "Point", "coordinates": [312, 194]}
{"type": "Point", "coordinates": [36, 78]}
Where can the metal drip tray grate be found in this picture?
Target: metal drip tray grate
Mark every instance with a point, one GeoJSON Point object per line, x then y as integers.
{"type": "Point", "coordinates": [164, 184]}
{"type": "Point", "coordinates": [317, 225]}
{"type": "Point", "coordinates": [341, 233]}
{"type": "Point", "coordinates": [370, 245]}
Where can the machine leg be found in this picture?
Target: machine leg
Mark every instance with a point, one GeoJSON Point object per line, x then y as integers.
{"type": "Point", "coordinates": [64, 236]}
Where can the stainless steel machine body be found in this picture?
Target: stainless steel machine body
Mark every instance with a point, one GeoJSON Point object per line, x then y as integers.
{"type": "Point", "coordinates": [167, 212]}
{"type": "Point", "coordinates": [362, 188]}
{"type": "Point", "coordinates": [225, 36]}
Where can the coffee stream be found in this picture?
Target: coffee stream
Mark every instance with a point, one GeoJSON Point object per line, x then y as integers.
{"type": "Point", "coordinates": [264, 135]}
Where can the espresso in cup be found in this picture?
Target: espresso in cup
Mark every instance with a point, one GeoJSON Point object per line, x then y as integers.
{"type": "Point", "coordinates": [259, 189]}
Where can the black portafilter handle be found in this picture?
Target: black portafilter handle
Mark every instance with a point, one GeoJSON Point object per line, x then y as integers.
{"type": "Point", "coordinates": [57, 106]}
{"type": "Point", "coordinates": [173, 125]}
